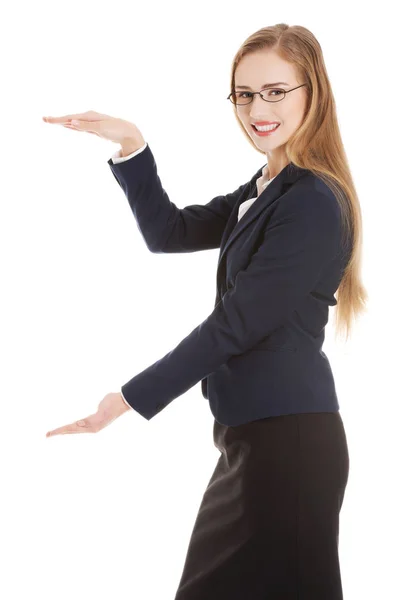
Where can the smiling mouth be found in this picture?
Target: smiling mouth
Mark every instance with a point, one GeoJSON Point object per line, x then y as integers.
{"type": "Point", "coordinates": [261, 131]}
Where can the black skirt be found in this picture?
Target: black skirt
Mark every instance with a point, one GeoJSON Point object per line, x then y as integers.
{"type": "Point", "coordinates": [268, 524]}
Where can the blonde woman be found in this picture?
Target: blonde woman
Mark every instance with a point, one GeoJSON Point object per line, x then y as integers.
{"type": "Point", "coordinates": [290, 247]}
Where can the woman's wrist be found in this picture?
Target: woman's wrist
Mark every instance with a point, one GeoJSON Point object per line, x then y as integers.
{"type": "Point", "coordinates": [128, 148]}
{"type": "Point", "coordinates": [131, 143]}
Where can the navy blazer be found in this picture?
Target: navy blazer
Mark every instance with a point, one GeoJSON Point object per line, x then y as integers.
{"type": "Point", "coordinates": [259, 353]}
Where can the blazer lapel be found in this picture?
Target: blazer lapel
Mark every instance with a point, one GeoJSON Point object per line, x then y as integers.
{"type": "Point", "coordinates": [278, 186]}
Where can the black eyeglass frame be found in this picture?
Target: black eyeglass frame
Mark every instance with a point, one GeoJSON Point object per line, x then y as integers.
{"type": "Point", "coordinates": [265, 100]}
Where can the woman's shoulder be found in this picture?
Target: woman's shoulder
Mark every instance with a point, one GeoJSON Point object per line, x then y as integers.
{"type": "Point", "coordinates": [312, 196]}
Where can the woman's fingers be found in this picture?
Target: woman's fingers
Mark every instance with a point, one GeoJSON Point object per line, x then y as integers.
{"type": "Point", "coordinates": [90, 121]}
{"type": "Point", "coordinates": [110, 128]}
{"type": "Point", "coordinates": [69, 126]}
{"type": "Point", "coordinates": [110, 408]}
{"type": "Point", "coordinates": [90, 424]}
{"type": "Point", "coordinates": [89, 115]}
{"type": "Point", "coordinates": [63, 119]}
{"type": "Point", "coordinates": [78, 427]}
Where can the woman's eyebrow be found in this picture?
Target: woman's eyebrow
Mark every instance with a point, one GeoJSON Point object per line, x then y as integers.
{"type": "Point", "coordinates": [246, 87]}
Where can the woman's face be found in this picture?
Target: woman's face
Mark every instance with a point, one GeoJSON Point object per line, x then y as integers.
{"type": "Point", "coordinates": [256, 71]}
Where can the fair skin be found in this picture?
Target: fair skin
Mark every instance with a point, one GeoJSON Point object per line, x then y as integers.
{"type": "Point", "coordinates": [253, 71]}
{"type": "Point", "coordinates": [130, 138]}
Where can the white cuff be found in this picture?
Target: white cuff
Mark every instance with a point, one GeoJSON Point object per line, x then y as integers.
{"type": "Point", "coordinates": [125, 400]}
{"type": "Point", "coordinates": [117, 158]}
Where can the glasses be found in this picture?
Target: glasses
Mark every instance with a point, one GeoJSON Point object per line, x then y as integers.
{"type": "Point", "coordinates": [274, 95]}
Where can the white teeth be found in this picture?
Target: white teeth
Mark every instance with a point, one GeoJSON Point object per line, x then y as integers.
{"type": "Point", "coordinates": [266, 127]}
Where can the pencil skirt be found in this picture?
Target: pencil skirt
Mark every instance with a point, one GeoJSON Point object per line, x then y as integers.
{"type": "Point", "coordinates": [268, 523]}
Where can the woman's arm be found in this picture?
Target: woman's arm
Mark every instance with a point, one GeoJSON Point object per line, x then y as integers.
{"type": "Point", "coordinates": [164, 226]}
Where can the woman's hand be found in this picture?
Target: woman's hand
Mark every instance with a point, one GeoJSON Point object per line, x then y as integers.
{"type": "Point", "coordinates": [128, 135]}
{"type": "Point", "coordinates": [104, 126]}
{"type": "Point", "coordinates": [110, 408]}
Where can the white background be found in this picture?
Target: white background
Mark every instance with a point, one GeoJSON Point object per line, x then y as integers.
{"type": "Point", "coordinates": [85, 306]}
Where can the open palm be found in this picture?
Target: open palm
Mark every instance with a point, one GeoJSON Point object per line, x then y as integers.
{"type": "Point", "coordinates": [110, 408]}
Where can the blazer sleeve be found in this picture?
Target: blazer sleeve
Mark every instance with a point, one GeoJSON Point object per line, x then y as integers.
{"type": "Point", "coordinates": [165, 227]}
{"type": "Point", "coordinates": [302, 238]}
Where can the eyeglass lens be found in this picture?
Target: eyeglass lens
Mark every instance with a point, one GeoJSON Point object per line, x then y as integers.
{"type": "Point", "coordinates": [271, 94]}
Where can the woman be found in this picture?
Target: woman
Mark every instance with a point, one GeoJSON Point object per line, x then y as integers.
{"type": "Point", "coordinates": [289, 239]}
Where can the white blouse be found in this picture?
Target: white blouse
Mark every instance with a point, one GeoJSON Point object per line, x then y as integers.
{"type": "Point", "coordinates": [262, 183]}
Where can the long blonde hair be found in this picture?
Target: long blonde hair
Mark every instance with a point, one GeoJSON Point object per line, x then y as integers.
{"type": "Point", "coordinates": [317, 146]}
